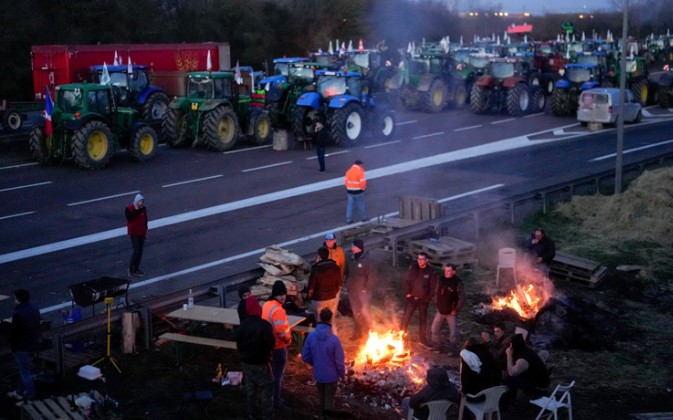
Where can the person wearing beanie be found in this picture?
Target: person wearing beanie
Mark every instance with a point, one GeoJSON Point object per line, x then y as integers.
{"type": "Point", "coordinates": [360, 282]}
{"type": "Point", "coordinates": [356, 184]}
{"type": "Point", "coordinates": [243, 294]}
{"type": "Point", "coordinates": [136, 224]}
{"type": "Point", "coordinates": [255, 342]}
{"type": "Point", "coordinates": [324, 284]}
{"type": "Point", "coordinates": [24, 341]}
{"type": "Point", "coordinates": [274, 313]}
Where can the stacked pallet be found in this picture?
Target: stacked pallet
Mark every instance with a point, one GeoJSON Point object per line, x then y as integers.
{"type": "Point", "coordinates": [284, 265]}
{"type": "Point", "coordinates": [444, 250]}
{"type": "Point", "coordinates": [577, 269]}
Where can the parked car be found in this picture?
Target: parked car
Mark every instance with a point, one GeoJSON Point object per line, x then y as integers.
{"type": "Point", "coordinates": [601, 105]}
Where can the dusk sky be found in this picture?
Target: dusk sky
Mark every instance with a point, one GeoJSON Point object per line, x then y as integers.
{"type": "Point", "coordinates": [543, 6]}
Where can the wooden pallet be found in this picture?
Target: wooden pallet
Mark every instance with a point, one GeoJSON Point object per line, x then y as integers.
{"type": "Point", "coordinates": [577, 269]}
{"type": "Point", "coordinates": [443, 247]}
{"type": "Point", "coordinates": [57, 408]}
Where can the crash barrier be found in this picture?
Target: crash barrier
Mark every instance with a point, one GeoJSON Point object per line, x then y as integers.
{"type": "Point", "coordinates": [468, 216]}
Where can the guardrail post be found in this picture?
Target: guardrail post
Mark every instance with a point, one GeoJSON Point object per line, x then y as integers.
{"type": "Point", "coordinates": [222, 293]}
{"type": "Point", "coordinates": [147, 321]}
{"type": "Point", "coordinates": [57, 344]}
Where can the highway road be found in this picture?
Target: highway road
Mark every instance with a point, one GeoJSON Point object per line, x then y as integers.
{"type": "Point", "coordinates": [212, 214]}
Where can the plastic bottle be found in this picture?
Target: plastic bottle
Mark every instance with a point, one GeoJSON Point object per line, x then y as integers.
{"type": "Point", "coordinates": [190, 299]}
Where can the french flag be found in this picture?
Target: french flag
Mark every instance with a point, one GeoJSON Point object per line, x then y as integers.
{"type": "Point", "coordinates": [48, 108]}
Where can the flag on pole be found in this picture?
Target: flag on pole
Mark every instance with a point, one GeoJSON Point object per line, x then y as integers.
{"type": "Point", "coordinates": [116, 60]}
{"type": "Point", "coordinates": [330, 50]}
{"type": "Point", "coordinates": [48, 108]}
{"type": "Point", "coordinates": [237, 74]}
{"type": "Point", "coordinates": [130, 66]}
{"type": "Point", "coordinates": [105, 76]}
{"type": "Point", "coordinates": [209, 63]}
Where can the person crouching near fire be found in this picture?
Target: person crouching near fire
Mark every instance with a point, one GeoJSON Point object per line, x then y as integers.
{"type": "Point", "coordinates": [438, 388]}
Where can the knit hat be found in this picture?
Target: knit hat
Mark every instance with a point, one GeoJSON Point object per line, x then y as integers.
{"type": "Point", "coordinates": [359, 244]}
{"type": "Point", "coordinates": [138, 198]}
{"type": "Point", "coordinates": [278, 289]}
{"type": "Point", "coordinates": [252, 307]}
{"type": "Point", "coordinates": [359, 162]}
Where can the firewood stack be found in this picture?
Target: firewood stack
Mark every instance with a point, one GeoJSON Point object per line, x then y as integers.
{"type": "Point", "coordinates": [284, 265]}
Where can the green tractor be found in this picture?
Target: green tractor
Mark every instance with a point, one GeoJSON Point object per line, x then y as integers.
{"type": "Point", "coordinates": [282, 92]}
{"type": "Point", "coordinates": [665, 88]}
{"type": "Point", "coordinates": [636, 78]}
{"type": "Point", "coordinates": [216, 110]}
{"type": "Point", "coordinates": [89, 127]}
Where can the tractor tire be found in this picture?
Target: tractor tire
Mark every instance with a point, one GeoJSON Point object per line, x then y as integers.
{"type": "Point", "coordinates": [144, 144]}
{"type": "Point", "coordinates": [664, 98]}
{"type": "Point", "coordinates": [459, 96]}
{"type": "Point", "coordinates": [434, 99]}
{"type": "Point", "coordinates": [155, 106]}
{"type": "Point", "coordinates": [11, 121]}
{"type": "Point", "coordinates": [40, 146]}
{"type": "Point", "coordinates": [303, 119]}
{"type": "Point", "coordinates": [480, 99]}
{"type": "Point", "coordinates": [221, 129]}
{"type": "Point", "coordinates": [385, 124]}
{"type": "Point", "coordinates": [518, 100]}
{"type": "Point", "coordinates": [560, 105]}
{"type": "Point", "coordinates": [640, 91]}
{"type": "Point", "coordinates": [347, 125]}
{"type": "Point", "coordinates": [92, 145]}
{"type": "Point", "coordinates": [538, 100]}
{"type": "Point", "coordinates": [260, 126]}
{"type": "Point", "coordinates": [172, 128]}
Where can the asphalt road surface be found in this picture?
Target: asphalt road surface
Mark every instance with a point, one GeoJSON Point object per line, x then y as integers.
{"type": "Point", "coordinates": [212, 214]}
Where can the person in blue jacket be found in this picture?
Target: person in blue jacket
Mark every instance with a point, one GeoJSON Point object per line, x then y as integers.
{"type": "Point", "coordinates": [324, 352]}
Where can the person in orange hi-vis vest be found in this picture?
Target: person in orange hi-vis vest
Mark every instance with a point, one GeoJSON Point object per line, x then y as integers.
{"type": "Point", "coordinates": [356, 184]}
{"type": "Point", "coordinates": [273, 312]}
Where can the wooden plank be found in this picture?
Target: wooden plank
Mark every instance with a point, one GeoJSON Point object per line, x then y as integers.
{"type": "Point", "coordinates": [563, 258]}
{"type": "Point", "coordinates": [41, 408]}
{"type": "Point", "coordinates": [65, 403]}
{"type": "Point", "coordinates": [56, 408]}
{"type": "Point", "coordinates": [199, 340]}
{"type": "Point", "coordinates": [653, 416]}
{"type": "Point", "coordinates": [31, 411]}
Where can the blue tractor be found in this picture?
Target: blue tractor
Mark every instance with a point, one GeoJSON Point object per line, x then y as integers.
{"type": "Point", "coordinates": [132, 89]}
{"type": "Point", "coordinates": [344, 101]}
{"type": "Point", "coordinates": [588, 72]}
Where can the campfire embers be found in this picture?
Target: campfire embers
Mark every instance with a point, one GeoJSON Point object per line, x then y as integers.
{"type": "Point", "coordinates": [525, 300]}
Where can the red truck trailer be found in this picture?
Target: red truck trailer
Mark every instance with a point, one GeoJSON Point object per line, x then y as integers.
{"type": "Point", "coordinates": [55, 65]}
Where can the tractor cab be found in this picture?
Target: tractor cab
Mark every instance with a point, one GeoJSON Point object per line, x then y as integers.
{"type": "Point", "coordinates": [127, 86]}
{"type": "Point", "coordinates": [330, 84]}
{"type": "Point", "coordinates": [210, 85]}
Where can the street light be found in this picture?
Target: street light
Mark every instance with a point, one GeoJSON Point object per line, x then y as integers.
{"type": "Point", "coordinates": [622, 86]}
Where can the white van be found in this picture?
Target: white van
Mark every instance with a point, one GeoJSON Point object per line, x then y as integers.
{"type": "Point", "coordinates": [601, 105]}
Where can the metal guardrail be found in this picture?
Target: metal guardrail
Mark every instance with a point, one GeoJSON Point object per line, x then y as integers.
{"type": "Point", "coordinates": [513, 209]}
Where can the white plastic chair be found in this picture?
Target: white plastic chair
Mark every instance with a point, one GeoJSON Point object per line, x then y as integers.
{"type": "Point", "coordinates": [438, 409]}
{"type": "Point", "coordinates": [486, 407]}
{"type": "Point", "coordinates": [552, 403]}
{"type": "Point", "coordinates": [506, 260]}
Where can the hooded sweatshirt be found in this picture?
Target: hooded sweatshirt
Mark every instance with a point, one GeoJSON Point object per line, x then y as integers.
{"type": "Point", "coordinates": [438, 388]}
{"type": "Point", "coordinates": [324, 352]}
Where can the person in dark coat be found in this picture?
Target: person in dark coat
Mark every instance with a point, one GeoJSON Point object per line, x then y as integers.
{"type": "Point", "coordinates": [438, 388]}
{"type": "Point", "coordinates": [24, 341]}
{"type": "Point", "coordinates": [361, 281]}
{"type": "Point", "coordinates": [478, 368]}
{"type": "Point", "coordinates": [541, 249]}
{"type": "Point", "coordinates": [525, 370]}
{"type": "Point", "coordinates": [320, 137]}
{"type": "Point", "coordinates": [136, 224]}
{"type": "Point", "coordinates": [324, 352]}
{"type": "Point", "coordinates": [450, 298]}
{"type": "Point", "coordinates": [420, 284]}
{"type": "Point", "coordinates": [255, 342]}
{"type": "Point", "coordinates": [324, 284]}
{"type": "Point", "coordinates": [243, 294]}
{"type": "Point", "coordinates": [498, 344]}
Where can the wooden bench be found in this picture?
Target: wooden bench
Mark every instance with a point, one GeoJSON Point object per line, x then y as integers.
{"type": "Point", "coordinates": [192, 339]}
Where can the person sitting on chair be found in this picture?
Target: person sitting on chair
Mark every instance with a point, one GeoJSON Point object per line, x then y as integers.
{"type": "Point", "coordinates": [525, 370]}
{"type": "Point", "coordinates": [541, 249]}
{"type": "Point", "coordinates": [438, 388]}
{"type": "Point", "coordinates": [478, 368]}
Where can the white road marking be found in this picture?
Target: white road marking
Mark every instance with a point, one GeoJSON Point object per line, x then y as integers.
{"type": "Point", "coordinates": [468, 193]}
{"type": "Point", "coordinates": [636, 149]}
{"type": "Point", "coordinates": [328, 154]}
{"type": "Point", "coordinates": [407, 122]}
{"type": "Point", "coordinates": [503, 121]}
{"type": "Point", "coordinates": [513, 143]}
{"type": "Point", "coordinates": [247, 149]}
{"type": "Point", "coordinates": [439, 133]}
{"type": "Point", "coordinates": [382, 144]}
{"type": "Point", "coordinates": [267, 166]}
{"type": "Point", "coordinates": [17, 215]}
{"type": "Point", "coordinates": [19, 165]}
{"type": "Point", "coordinates": [537, 114]}
{"type": "Point", "coordinates": [472, 127]}
{"type": "Point", "coordinates": [191, 181]}
{"type": "Point", "coordinates": [26, 186]}
{"type": "Point", "coordinates": [103, 198]}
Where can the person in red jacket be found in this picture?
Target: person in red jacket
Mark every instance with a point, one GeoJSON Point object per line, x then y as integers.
{"type": "Point", "coordinates": [136, 223]}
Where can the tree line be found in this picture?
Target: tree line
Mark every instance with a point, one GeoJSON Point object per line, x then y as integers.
{"type": "Point", "coordinates": [260, 30]}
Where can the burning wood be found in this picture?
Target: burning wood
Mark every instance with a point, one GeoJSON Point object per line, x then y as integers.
{"type": "Point", "coordinates": [527, 300]}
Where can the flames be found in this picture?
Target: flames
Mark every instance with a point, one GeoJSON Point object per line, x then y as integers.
{"type": "Point", "coordinates": [526, 300]}
{"type": "Point", "coordinates": [387, 349]}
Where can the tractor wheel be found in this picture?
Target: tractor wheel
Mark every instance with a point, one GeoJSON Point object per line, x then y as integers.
{"type": "Point", "coordinates": [260, 125]}
{"type": "Point", "coordinates": [40, 146]}
{"type": "Point", "coordinates": [221, 129]}
{"type": "Point", "coordinates": [560, 102]}
{"type": "Point", "coordinates": [663, 97]}
{"type": "Point", "coordinates": [302, 121]}
{"type": "Point", "coordinates": [11, 121]}
{"type": "Point", "coordinates": [640, 91]}
{"type": "Point", "coordinates": [459, 96]}
{"type": "Point", "coordinates": [385, 124]}
{"type": "Point", "coordinates": [155, 106]}
{"type": "Point", "coordinates": [347, 124]}
{"type": "Point", "coordinates": [538, 100]}
{"type": "Point", "coordinates": [144, 144]}
{"type": "Point", "coordinates": [434, 99]}
{"type": "Point", "coordinates": [92, 145]}
{"type": "Point", "coordinates": [518, 100]}
{"type": "Point", "coordinates": [480, 99]}
{"type": "Point", "coordinates": [172, 128]}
